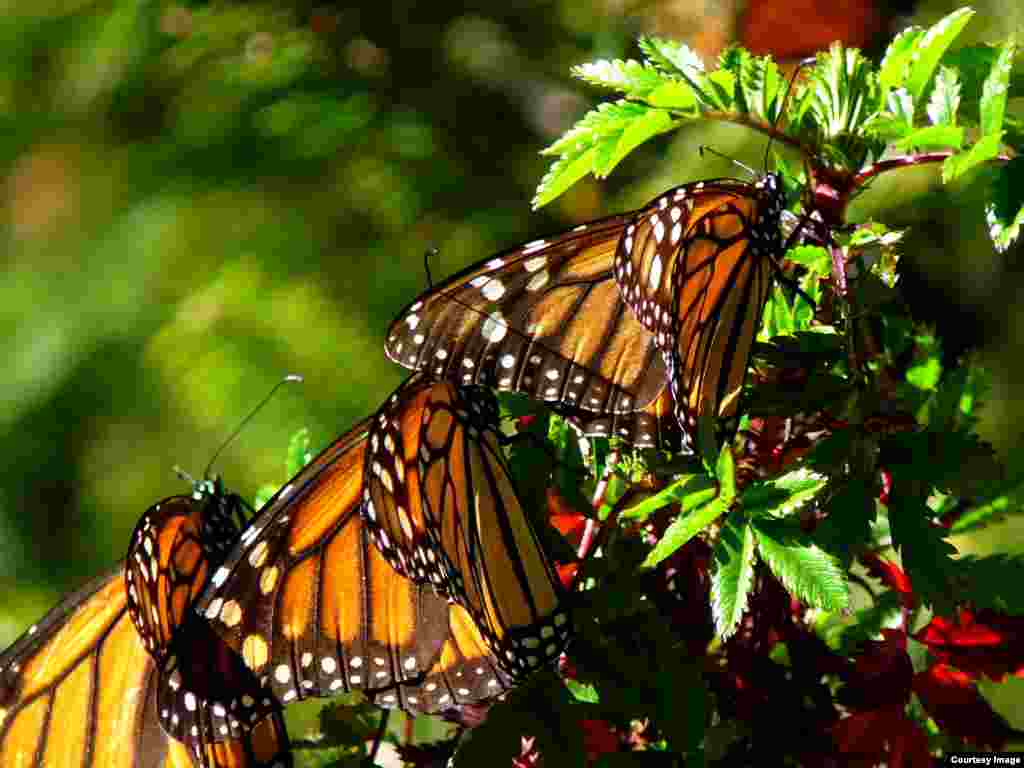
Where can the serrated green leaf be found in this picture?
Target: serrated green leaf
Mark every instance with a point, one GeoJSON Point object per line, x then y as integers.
{"type": "Point", "coordinates": [682, 530]}
{"type": "Point", "coordinates": [808, 573]}
{"type": "Point", "coordinates": [945, 99]}
{"type": "Point", "coordinates": [671, 57]}
{"type": "Point", "coordinates": [562, 174]}
{"type": "Point", "coordinates": [632, 78]}
{"type": "Point", "coordinates": [655, 122]}
{"type": "Point", "coordinates": [847, 526]}
{"type": "Point", "coordinates": [725, 473]}
{"type": "Point", "coordinates": [679, 97]}
{"type": "Point", "coordinates": [995, 91]}
{"type": "Point", "coordinates": [926, 555]}
{"type": "Point", "coordinates": [932, 137]}
{"type": "Point", "coordinates": [720, 90]}
{"type": "Point", "coordinates": [783, 495]}
{"type": "Point", "coordinates": [897, 58]}
{"type": "Point", "coordinates": [690, 491]}
{"type": "Point", "coordinates": [1005, 212]}
{"type": "Point", "coordinates": [930, 48]}
{"type": "Point", "coordinates": [606, 120]}
{"type": "Point", "coordinates": [900, 104]}
{"type": "Point", "coordinates": [599, 140]}
{"type": "Point", "coordinates": [733, 578]}
{"type": "Point", "coordinates": [959, 164]}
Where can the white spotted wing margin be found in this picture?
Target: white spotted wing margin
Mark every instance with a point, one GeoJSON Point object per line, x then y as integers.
{"type": "Point", "coordinates": [312, 606]}
{"type": "Point", "coordinates": [545, 319]}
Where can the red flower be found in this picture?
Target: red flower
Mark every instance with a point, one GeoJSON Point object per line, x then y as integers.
{"type": "Point", "coordinates": [951, 698]}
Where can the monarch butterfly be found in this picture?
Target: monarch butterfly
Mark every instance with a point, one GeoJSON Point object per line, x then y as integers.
{"type": "Point", "coordinates": [311, 603]}
{"type": "Point", "coordinates": [598, 319]}
{"type": "Point", "coordinates": [442, 509]}
{"type": "Point", "coordinates": [81, 689]}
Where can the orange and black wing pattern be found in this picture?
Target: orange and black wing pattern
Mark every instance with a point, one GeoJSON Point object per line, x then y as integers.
{"type": "Point", "coordinates": [545, 319]}
{"type": "Point", "coordinates": [206, 697]}
{"type": "Point", "coordinates": [313, 607]}
{"type": "Point", "coordinates": [79, 690]}
{"type": "Point", "coordinates": [696, 267]}
{"type": "Point", "coordinates": [443, 509]}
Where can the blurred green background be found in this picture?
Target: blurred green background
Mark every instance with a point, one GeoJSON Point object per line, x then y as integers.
{"type": "Point", "coordinates": [198, 198]}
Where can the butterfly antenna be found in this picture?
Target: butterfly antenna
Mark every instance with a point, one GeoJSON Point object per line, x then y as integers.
{"type": "Point", "coordinates": [782, 108]}
{"type": "Point", "coordinates": [259, 406]}
{"type": "Point", "coordinates": [704, 148]}
{"type": "Point", "coordinates": [432, 251]}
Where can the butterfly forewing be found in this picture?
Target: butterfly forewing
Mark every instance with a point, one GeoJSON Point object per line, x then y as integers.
{"type": "Point", "coordinates": [443, 509]}
{"type": "Point", "coordinates": [695, 266]}
{"type": "Point", "coordinates": [312, 606]}
{"type": "Point", "coordinates": [543, 319]}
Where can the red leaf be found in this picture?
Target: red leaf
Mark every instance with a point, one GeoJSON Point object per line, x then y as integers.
{"type": "Point", "coordinates": [881, 735]}
{"type": "Point", "coordinates": [984, 643]}
{"type": "Point", "coordinates": [891, 575]}
{"type": "Point", "coordinates": [599, 738]}
{"type": "Point", "coordinates": [564, 518]}
{"type": "Point", "coordinates": [882, 674]}
{"type": "Point", "coordinates": [952, 700]}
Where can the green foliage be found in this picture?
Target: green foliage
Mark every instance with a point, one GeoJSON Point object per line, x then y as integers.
{"type": "Point", "coordinates": [734, 575]}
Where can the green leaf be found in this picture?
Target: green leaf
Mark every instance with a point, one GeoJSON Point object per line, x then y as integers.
{"type": "Point", "coordinates": [674, 59]}
{"type": "Point", "coordinates": [300, 452]}
{"type": "Point", "coordinates": [584, 692]}
{"type": "Point", "coordinates": [956, 166]}
{"type": "Point", "coordinates": [783, 495]}
{"type": "Point", "coordinates": [993, 510]}
{"type": "Point", "coordinates": [1005, 212]}
{"type": "Point", "coordinates": [562, 174]}
{"type": "Point", "coordinates": [734, 576]}
{"type": "Point", "coordinates": [645, 127]}
{"type": "Point", "coordinates": [932, 137]}
{"type": "Point", "coordinates": [629, 77]}
{"type": "Point", "coordinates": [682, 530]}
{"type": "Point", "coordinates": [994, 92]}
{"type": "Point", "coordinates": [926, 555]}
{"type": "Point", "coordinates": [925, 375]}
{"type": "Point", "coordinates": [679, 97]}
{"type": "Point", "coordinates": [725, 473]}
{"type": "Point", "coordinates": [847, 527]}
{"type": "Point", "coordinates": [897, 57]}
{"type": "Point", "coordinates": [690, 491]}
{"type": "Point", "coordinates": [929, 49]}
{"type": "Point", "coordinates": [807, 572]}
{"type": "Point", "coordinates": [263, 495]}
{"type": "Point", "coordinates": [598, 141]}
{"type": "Point", "coordinates": [983, 581]}
{"type": "Point", "coordinates": [945, 100]}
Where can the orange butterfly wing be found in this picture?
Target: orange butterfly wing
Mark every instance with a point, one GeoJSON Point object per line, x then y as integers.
{"type": "Point", "coordinates": [312, 606]}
